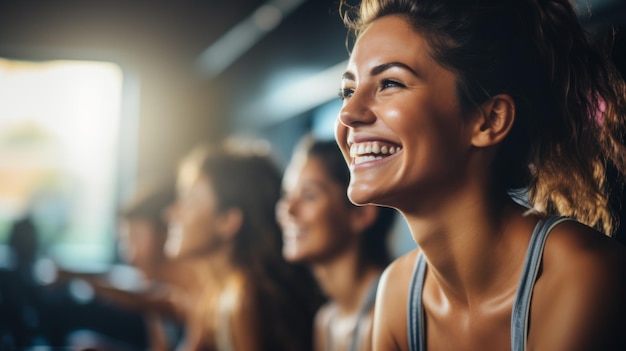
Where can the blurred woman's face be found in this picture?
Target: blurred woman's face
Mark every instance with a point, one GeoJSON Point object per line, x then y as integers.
{"type": "Point", "coordinates": [191, 220]}
{"type": "Point", "coordinates": [141, 244]}
{"type": "Point", "coordinates": [313, 213]}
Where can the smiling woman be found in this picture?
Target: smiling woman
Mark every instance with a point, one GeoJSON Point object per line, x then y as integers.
{"type": "Point", "coordinates": [400, 90]}
{"type": "Point", "coordinates": [479, 99]}
{"type": "Point", "coordinates": [345, 245]}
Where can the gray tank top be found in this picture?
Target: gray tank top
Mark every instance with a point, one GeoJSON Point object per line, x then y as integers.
{"type": "Point", "coordinates": [364, 310]}
{"type": "Point", "coordinates": [521, 305]}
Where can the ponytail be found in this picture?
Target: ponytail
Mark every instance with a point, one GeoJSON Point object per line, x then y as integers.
{"type": "Point", "coordinates": [588, 96]}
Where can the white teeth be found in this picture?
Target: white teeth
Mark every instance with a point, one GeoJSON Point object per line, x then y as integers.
{"type": "Point", "coordinates": [362, 159]}
{"type": "Point", "coordinates": [363, 152]}
{"type": "Point", "coordinates": [361, 149]}
{"type": "Point", "coordinates": [292, 231]}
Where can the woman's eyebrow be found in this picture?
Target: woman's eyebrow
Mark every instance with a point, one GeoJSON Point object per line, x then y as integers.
{"type": "Point", "coordinates": [381, 68]}
{"type": "Point", "coordinates": [385, 66]}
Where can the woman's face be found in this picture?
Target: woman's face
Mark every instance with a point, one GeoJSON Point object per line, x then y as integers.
{"type": "Point", "coordinates": [400, 127]}
{"type": "Point", "coordinates": [191, 220]}
{"type": "Point", "coordinates": [141, 244]}
{"type": "Point", "coordinates": [313, 213]}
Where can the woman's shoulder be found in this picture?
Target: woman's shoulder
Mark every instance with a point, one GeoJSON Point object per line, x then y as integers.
{"type": "Point", "coordinates": [390, 327]}
{"type": "Point", "coordinates": [581, 288]}
{"type": "Point", "coordinates": [402, 265]}
{"type": "Point", "coordinates": [396, 277]}
{"type": "Point", "coordinates": [325, 312]}
{"type": "Point", "coordinates": [322, 319]}
{"type": "Point", "coordinates": [577, 256]}
{"type": "Point", "coordinates": [576, 248]}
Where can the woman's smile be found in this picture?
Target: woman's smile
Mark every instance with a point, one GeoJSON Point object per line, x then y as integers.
{"type": "Point", "coordinates": [364, 152]}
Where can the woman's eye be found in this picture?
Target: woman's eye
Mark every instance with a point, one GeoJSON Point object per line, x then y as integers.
{"type": "Point", "coordinates": [308, 196]}
{"type": "Point", "coordinates": [345, 93]}
{"type": "Point", "coordinates": [388, 83]}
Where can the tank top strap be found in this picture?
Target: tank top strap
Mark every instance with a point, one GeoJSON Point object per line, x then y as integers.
{"type": "Point", "coordinates": [415, 313]}
{"type": "Point", "coordinates": [365, 309]}
{"type": "Point", "coordinates": [521, 305]}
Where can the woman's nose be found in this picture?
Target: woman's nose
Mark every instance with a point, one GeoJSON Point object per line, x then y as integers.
{"type": "Point", "coordinates": [281, 210]}
{"type": "Point", "coordinates": [356, 110]}
{"type": "Point", "coordinates": [284, 209]}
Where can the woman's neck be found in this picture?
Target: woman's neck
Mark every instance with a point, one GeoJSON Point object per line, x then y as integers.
{"type": "Point", "coordinates": [345, 280]}
{"type": "Point", "coordinates": [474, 251]}
{"type": "Point", "coordinates": [212, 267]}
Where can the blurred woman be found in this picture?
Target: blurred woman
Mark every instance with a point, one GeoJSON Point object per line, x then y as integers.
{"type": "Point", "coordinates": [148, 281]}
{"type": "Point", "coordinates": [345, 245]}
{"type": "Point", "coordinates": [142, 241]}
{"type": "Point", "coordinates": [143, 230]}
{"type": "Point", "coordinates": [240, 292]}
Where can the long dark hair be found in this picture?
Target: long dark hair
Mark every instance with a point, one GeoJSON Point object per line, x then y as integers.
{"type": "Point", "coordinates": [570, 100]}
{"type": "Point", "coordinates": [285, 295]}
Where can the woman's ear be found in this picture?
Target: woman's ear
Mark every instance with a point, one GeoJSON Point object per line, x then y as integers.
{"type": "Point", "coordinates": [229, 222]}
{"type": "Point", "coordinates": [362, 218]}
{"type": "Point", "coordinates": [494, 121]}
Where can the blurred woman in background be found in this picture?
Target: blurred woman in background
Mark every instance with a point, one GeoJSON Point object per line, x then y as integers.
{"type": "Point", "coordinates": [240, 293]}
{"type": "Point", "coordinates": [148, 288]}
{"type": "Point", "coordinates": [142, 241]}
{"type": "Point", "coordinates": [345, 245]}
{"type": "Point", "coordinates": [143, 230]}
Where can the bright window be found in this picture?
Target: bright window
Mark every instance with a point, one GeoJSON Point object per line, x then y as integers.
{"type": "Point", "coordinates": [59, 137]}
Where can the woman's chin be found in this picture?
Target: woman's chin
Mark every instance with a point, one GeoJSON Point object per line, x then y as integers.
{"type": "Point", "coordinates": [362, 195]}
{"type": "Point", "coordinates": [291, 253]}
